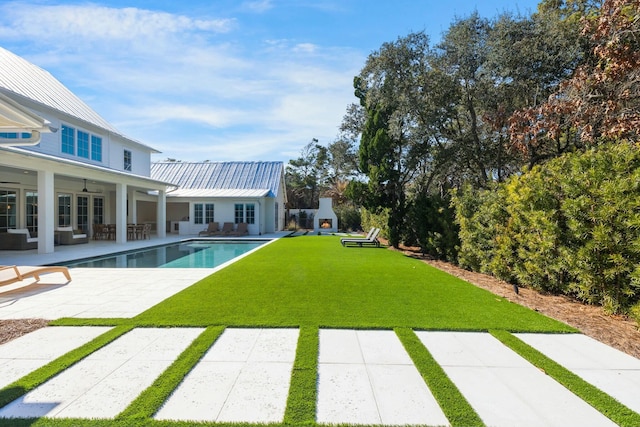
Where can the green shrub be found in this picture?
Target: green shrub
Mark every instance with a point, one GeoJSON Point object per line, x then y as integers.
{"type": "Point", "coordinates": [602, 205]}
{"type": "Point", "coordinates": [431, 225]}
{"type": "Point", "coordinates": [536, 230]}
{"type": "Point", "coordinates": [569, 226]}
{"type": "Point", "coordinates": [634, 312]}
{"type": "Point", "coordinates": [380, 220]}
{"type": "Point", "coordinates": [348, 217]}
{"type": "Point", "coordinates": [479, 214]}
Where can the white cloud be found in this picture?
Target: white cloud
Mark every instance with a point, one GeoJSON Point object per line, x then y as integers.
{"type": "Point", "coordinates": [258, 6]}
{"type": "Point", "coordinates": [97, 22]}
{"type": "Point", "coordinates": [305, 48]}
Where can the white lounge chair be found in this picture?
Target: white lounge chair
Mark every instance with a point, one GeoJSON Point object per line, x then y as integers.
{"type": "Point", "coordinates": [370, 240]}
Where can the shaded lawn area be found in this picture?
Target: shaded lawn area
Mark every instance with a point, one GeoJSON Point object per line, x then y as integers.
{"type": "Point", "coordinates": [314, 281]}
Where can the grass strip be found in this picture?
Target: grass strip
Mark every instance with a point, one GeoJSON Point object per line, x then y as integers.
{"type": "Point", "coordinates": [73, 321]}
{"type": "Point", "coordinates": [595, 397]}
{"type": "Point", "coordinates": [27, 383]}
{"type": "Point", "coordinates": [152, 398]}
{"type": "Point", "coordinates": [301, 403]}
{"type": "Point", "coordinates": [454, 405]}
{"type": "Point", "coordinates": [63, 422]}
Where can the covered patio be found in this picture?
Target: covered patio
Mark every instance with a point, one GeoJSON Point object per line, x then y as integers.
{"type": "Point", "coordinates": [46, 192]}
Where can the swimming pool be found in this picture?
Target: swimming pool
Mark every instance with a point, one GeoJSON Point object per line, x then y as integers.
{"type": "Point", "coordinates": [189, 254]}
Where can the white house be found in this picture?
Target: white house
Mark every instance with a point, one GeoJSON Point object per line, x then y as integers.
{"type": "Point", "coordinates": [63, 165]}
{"type": "Point", "coordinates": [249, 192]}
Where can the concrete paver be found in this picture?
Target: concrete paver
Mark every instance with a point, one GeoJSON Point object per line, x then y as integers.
{"type": "Point", "coordinates": [32, 351]}
{"type": "Point", "coordinates": [366, 377]}
{"type": "Point", "coordinates": [503, 388]}
{"type": "Point", "coordinates": [612, 371]}
{"type": "Point", "coordinates": [244, 377]}
{"type": "Point", "coordinates": [104, 383]}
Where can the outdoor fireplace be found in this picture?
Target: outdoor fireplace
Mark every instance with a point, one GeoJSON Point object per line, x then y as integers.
{"type": "Point", "coordinates": [325, 223]}
{"type": "Point", "coordinates": [325, 219]}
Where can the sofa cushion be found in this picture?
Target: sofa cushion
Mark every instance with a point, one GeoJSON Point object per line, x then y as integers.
{"type": "Point", "coordinates": [19, 231]}
{"type": "Point", "coordinates": [64, 229]}
{"type": "Point", "coordinates": [32, 240]}
{"type": "Point", "coordinates": [79, 236]}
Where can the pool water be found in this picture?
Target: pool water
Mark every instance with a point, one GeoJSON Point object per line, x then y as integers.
{"type": "Point", "coordinates": [192, 254]}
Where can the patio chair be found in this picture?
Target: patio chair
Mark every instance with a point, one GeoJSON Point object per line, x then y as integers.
{"type": "Point", "coordinates": [211, 230]}
{"type": "Point", "coordinates": [243, 229]}
{"type": "Point", "coordinates": [11, 273]}
{"type": "Point", "coordinates": [146, 231]}
{"type": "Point", "coordinates": [99, 231]}
{"type": "Point", "coordinates": [227, 229]}
{"type": "Point", "coordinates": [371, 240]}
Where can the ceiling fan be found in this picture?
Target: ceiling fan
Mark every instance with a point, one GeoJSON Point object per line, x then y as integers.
{"type": "Point", "coordinates": [84, 189]}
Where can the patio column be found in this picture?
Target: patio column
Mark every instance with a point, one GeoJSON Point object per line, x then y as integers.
{"type": "Point", "coordinates": [161, 214]}
{"type": "Point", "coordinates": [121, 213]}
{"type": "Point", "coordinates": [259, 218]}
{"type": "Point", "coordinates": [46, 212]}
{"type": "Point", "coordinates": [132, 211]}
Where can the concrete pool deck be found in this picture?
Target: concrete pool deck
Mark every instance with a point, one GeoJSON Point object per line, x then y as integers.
{"type": "Point", "coordinates": [365, 377]}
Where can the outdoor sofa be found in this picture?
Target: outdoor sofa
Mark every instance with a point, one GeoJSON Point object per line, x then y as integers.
{"type": "Point", "coordinates": [69, 236]}
{"type": "Point", "coordinates": [18, 239]}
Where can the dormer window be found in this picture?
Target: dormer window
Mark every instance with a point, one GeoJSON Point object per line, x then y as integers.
{"type": "Point", "coordinates": [80, 143]}
{"type": "Point", "coordinates": [127, 160]}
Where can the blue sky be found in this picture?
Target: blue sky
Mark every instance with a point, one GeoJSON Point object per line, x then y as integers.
{"type": "Point", "coordinates": [221, 79]}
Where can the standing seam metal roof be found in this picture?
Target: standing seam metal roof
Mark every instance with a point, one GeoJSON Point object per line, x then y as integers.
{"type": "Point", "coordinates": [24, 78]}
{"type": "Point", "coordinates": [221, 175]}
{"type": "Point", "coordinates": [19, 76]}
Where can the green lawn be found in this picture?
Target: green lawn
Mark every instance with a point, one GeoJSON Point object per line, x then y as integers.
{"type": "Point", "coordinates": [314, 281]}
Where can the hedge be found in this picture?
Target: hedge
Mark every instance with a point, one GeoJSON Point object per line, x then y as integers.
{"type": "Point", "coordinates": [570, 226]}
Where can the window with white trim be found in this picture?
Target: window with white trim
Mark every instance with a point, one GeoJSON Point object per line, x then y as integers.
{"type": "Point", "coordinates": [127, 160]}
{"type": "Point", "coordinates": [68, 140]}
{"type": "Point", "coordinates": [83, 144]}
{"type": "Point", "coordinates": [250, 213]}
{"type": "Point", "coordinates": [96, 148]}
{"type": "Point", "coordinates": [98, 210]}
{"type": "Point", "coordinates": [8, 205]}
{"type": "Point", "coordinates": [238, 213]}
{"type": "Point", "coordinates": [245, 213]}
{"type": "Point", "coordinates": [203, 213]}
{"type": "Point", "coordinates": [80, 143]}
{"type": "Point", "coordinates": [31, 208]}
{"type": "Point", "coordinates": [64, 210]}
{"type": "Point", "coordinates": [82, 213]}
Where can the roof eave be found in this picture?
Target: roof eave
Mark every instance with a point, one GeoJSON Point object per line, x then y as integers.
{"type": "Point", "coordinates": [14, 118]}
